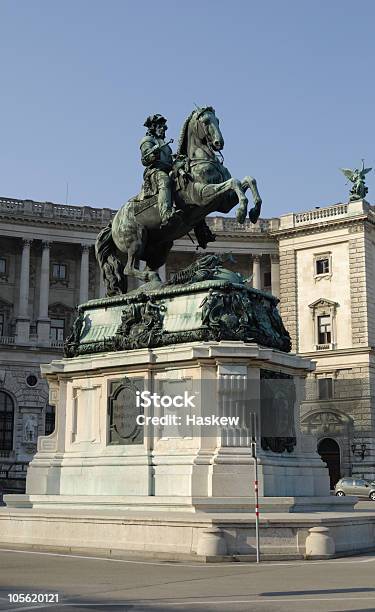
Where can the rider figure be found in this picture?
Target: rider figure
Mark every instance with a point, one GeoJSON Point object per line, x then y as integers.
{"type": "Point", "coordinates": [157, 157]}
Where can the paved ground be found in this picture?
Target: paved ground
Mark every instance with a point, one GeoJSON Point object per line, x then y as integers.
{"type": "Point", "coordinates": [89, 583]}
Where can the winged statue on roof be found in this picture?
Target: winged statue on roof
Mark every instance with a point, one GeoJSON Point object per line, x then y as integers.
{"type": "Point", "coordinates": [357, 177]}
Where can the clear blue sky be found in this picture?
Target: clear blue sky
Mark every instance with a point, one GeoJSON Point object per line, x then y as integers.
{"type": "Point", "coordinates": [292, 82]}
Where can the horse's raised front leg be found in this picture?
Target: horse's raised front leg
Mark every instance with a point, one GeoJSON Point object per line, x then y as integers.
{"type": "Point", "coordinates": [212, 191]}
{"type": "Point", "coordinates": [250, 182]}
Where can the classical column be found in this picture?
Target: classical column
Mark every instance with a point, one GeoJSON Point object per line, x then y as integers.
{"type": "Point", "coordinates": [23, 319]}
{"type": "Point", "coordinates": [84, 275]}
{"type": "Point", "coordinates": [43, 319]}
{"type": "Point", "coordinates": [275, 274]}
{"type": "Point", "coordinates": [257, 283]}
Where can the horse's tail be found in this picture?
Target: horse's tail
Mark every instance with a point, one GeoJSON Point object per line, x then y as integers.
{"type": "Point", "coordinates": [110, 265]}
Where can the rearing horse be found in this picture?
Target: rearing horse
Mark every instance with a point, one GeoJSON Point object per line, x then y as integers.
{"type": "Point", "coordinates": [135, 234]}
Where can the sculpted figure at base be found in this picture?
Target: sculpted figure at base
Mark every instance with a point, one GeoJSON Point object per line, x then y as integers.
{"type": "Point", "coordinates": [178, 193]}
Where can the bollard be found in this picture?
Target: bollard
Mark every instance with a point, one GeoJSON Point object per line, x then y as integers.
{"type": "Point", "coordinates": [319, 544]}
{"type": "Point", "coordinates": [211, 543]}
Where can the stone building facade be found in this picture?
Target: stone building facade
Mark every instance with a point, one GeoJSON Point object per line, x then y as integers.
{"type": "Point", "coordinates": [327, 281]}
{"type": "Point", "coordinates": [320, 264]}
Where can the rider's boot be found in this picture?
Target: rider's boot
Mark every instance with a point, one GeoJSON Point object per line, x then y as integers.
{"type": "Point", "coordinates": [165, 207]}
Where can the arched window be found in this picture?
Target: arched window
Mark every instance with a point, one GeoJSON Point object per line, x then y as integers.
{"type": "Point", "coordinates": [6, 422]}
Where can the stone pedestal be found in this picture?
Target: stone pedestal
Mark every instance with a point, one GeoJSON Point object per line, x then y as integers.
{"type": "Point", "coordinates": [87, 456]}
{"type": "Point", "coordinates": [102, 483]}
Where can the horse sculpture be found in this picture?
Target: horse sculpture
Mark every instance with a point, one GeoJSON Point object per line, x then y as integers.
{"type": "Point", "coordinates": [202, 184]}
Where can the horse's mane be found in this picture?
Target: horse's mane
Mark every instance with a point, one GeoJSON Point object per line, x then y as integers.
{"type": "Point", "coordinates": [182, 141]}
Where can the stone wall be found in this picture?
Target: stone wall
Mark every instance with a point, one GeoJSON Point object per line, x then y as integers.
{"type": "Point", "coordinates": [289, 293]}
{"type": "Point", "coordinates": [358, 289]}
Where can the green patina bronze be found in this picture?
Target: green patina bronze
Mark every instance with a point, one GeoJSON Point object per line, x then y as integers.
{"type": "Point", "coordinates": [178, 192]}
{"type": "Point", "coordinates": [357, 178]}
{"type": "Point", "coordinates": [202, 302]}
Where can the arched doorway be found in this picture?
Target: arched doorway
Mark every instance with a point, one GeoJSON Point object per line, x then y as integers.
{"type": "Point", "coordinates": [329, 451]}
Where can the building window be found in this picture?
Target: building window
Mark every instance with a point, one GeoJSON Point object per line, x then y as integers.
{"type": "Point", "coordinates": [322, 266]}
{"type": "Point", "coordinates": [59, 271]}
{"type": "Point", "coordinates": [31, 380]}
{"type": "Point", "coordinates": [2, 324]}
{"type": "Point", "coordinates": [324, 329]}
{"type": "Point", "coordinates": [324, 324]}
{"type": "Point", "coordinates": [267, 279]}
{"type": "Point", "coordinates": [325, 388]}
{"type": "Point", "coordinates": [6, 422]}
{"type": "Point", "coordinates": [50, 420]}
{"type": "Point", "coordinates": [57, 330]}
{"type": "Point", "coordinates": [3, 266]}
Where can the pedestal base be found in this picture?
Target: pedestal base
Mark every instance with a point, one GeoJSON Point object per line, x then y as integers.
{"type": "Point", "coordinates": [180, 535]}
{"type": "Point", "coordinates": [89, 455]}
{"type": "Point", "coordinates": [99, 481]}
{"type": "Point", "coordinates": [191, 505]}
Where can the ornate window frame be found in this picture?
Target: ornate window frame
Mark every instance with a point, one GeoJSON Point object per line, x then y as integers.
{"type": "Point", "coordinates": [319, 257]}
{"type": "Point", "coordinates": [319, 308]}
{"type": "Point", "coordinates": [64, 282]}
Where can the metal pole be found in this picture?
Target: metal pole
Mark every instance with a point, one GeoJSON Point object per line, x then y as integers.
{"type": "Point", "coordinates": [256, 491]}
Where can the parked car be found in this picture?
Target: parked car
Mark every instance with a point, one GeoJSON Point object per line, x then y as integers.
{"type": "Point", "coordinates": [355, 486]}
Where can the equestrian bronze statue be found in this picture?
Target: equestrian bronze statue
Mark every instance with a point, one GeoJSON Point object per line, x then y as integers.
{"type": "Point", "coordinates": [177, 194]}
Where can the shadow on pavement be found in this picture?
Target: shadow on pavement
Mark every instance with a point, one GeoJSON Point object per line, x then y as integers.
{"type": "Point", "coordinates": [318, 592]}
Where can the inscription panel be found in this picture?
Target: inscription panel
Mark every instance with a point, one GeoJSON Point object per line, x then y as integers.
{"type": "Point", "coordinates": [123, 411]}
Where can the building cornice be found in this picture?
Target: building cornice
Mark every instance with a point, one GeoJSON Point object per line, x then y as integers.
{"type": "Point", "coordinates": [365, 350]}
{"type": "Point", "coordinates": [318, 228]}
{"type": "Point", "coordinates": [325, 219]}
{"type": "Point", "coordinates": [89, 219]}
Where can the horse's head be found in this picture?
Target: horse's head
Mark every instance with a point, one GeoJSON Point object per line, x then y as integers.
{"type": "Point", "coordinates": [208, 129]}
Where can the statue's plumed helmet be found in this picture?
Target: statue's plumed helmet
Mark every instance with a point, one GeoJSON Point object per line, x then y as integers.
{"type": "Point", "coordinates": [153, 120]}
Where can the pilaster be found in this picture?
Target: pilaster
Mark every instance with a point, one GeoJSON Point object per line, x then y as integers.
{"type": "Point", "coordinates": [84, 274]}
{"type": "Point", "coordinates": [44, 322]}
{"type": "Point", "coordinates": [23, 319]}
{"type": "Point", "coordinates": [289, 294]}
{"type": "Point", "coordinates": [275, 274]}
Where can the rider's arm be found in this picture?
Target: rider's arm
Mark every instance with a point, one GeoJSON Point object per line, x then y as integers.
{"type": "Point", "coordinates": [150, 152]}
